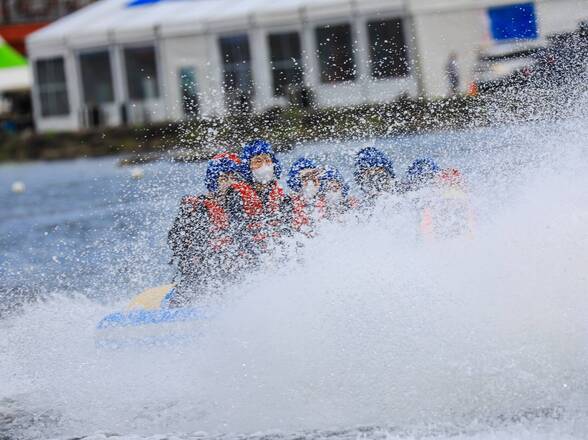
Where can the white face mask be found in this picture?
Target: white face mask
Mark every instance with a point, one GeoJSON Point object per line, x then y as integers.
{"type": "Point", "coordinates": [310, 190]}
{"type": "Point", "coordinates": [263, 174]}
{"type": "Point", "coordinates": [334, 197]}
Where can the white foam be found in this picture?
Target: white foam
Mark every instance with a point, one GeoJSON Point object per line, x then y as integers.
{"type": "Point", "coordinates": [373, 328]}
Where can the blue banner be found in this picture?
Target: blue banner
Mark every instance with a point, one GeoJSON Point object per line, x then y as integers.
{"type": "Point", "coordinates": [513, 22]}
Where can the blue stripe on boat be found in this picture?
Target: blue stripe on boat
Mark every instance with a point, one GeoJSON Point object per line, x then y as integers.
{"type": "Point", "coordinates": [167, 298]}
{"type": "Point", "coordinates": [146, 317]}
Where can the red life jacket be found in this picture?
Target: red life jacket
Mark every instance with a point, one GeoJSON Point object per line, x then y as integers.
{"type": "Point", "coordinates": [276, 197]}
{"type": "Point", "coordinates": [261, 214]}
{"type": "Point", "coordinates": [253, 208]}
{"type": "Point", "coordinates": [300, 213]}
{"type": "Point", "coordinates": [218, 220]}
{"type": "Point", "coordinates": [252, 204]}
{"type": "Point", "coordinates": [322, 207]}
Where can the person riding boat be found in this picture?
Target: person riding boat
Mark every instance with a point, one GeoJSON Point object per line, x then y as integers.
{"type": "Point", "coordinates": [420, 174]}
{"type": "Point", "coordinates": [374, 174]}
{"type": "Point", "coordinates": [421, 185]}
{"type": "Point", "coordinates": [334, 199]}
{"type": "Point", "coordinates": [201, 238]}
{"type": "Point", "coordinates": [304, 181]}
{"type": "Point", "coordinates": [450, 214]}
{"type": "Point", "coordinates": [261, 170]}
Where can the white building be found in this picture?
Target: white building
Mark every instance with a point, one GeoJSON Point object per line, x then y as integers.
{"type": "Point", "coordinates": [137, 61]}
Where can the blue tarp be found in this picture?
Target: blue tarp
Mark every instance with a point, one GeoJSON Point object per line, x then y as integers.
{"type": "Point", "coordinates": [141, 2]}
{"type": "Point", "coordinates": [513, 22]}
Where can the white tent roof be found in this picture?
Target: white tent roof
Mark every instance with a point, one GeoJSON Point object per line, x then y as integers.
{"type": "Point", "coordinates": [15, 78]}
{"type": "Point", "coordinates": [108, 18]}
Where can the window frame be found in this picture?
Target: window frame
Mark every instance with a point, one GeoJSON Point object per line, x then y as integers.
{"type": "Point", "coordinates": [393, 73]}
{"type": "Point", "coordinates": [189, 109]}
{"type": "Point", "coordinates": [291, 64]}
{"type": "Point", "coordinates": [239, 92]}
{"type": "Point", "coordinates": [156, 57]}
{"type": "Point", "coordinates": [352, 74]}
{"type": "Point", "coordinates": [236, 67]}
{"type": "Point", "coordinates": [55, 88]}
{"type": "Point", "coordinates": [84, 52]}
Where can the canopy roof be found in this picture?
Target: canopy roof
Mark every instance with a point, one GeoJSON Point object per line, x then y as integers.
{"type": "Point", "coordinates": [134, 18]}
{"type": "Point", "coordinates": [14, 71]}
{"type": "Point", "coordinates": [10, 57]}
{"type": "Point", "coordinates": [15, 78]}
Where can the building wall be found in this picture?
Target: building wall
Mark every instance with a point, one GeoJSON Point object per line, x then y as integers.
{"type": "Point", "coordinates": [560, 15]}
{"type": "Point", "coordinates": [434, 29]}
{"type": "Point", "coordinates": [440, 34]}
{"type": "Point", "coordinates": [203, 53]}
{"type": "Point", "coordinates": [196, 52]}
{"type": "Point", "coordinates": [69, 122]}
{"type": "Point", "coordinates": [364, 89]}
{"type": "Point", "coordinates": [463, 28]}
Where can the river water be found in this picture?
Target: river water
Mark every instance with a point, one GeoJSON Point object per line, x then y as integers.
{"type": "Point", "coordinates": [371, 334]}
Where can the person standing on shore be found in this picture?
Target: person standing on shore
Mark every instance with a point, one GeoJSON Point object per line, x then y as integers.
{"type": "Point", "coordinates": [452, 71]}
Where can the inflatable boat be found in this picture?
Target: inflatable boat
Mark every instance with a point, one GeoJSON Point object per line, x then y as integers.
{"type": "Point", "coordinates": [148, 320]}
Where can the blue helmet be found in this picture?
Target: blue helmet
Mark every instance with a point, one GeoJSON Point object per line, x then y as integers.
{"type": "Point", "coordinates": [255, 148]}
{"type": "Point", "coordinates": [294, 174]}
{"type": "Point", "coordinates": [332, 174]}
{"type": "Point", "coordinates": [422, 168]}
{"type": "Point", "coordinates": [220, 164]}
{"type": "Point", "coordinates": [371, 157]}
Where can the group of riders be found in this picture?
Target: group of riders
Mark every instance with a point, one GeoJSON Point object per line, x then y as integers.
{"type": "Point", "coordinates": [246, 213]}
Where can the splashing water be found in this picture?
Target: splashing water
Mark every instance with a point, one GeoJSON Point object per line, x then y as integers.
{"type": "Point", "coordinates": [482, 337]}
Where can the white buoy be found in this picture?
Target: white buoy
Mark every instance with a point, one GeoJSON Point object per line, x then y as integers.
{"type": "Point", "coordinates": [18, 187]}
{"type": "Point", "coordinates": [137, 173]}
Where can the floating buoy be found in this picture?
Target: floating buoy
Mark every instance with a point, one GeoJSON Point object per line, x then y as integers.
{"type": "Point", "coordinates": [18, 187]}
{"type": "Point", "coordinates": [137, 173]}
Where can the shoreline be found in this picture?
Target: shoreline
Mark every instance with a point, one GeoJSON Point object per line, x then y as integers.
{"type": "Point", "coordinates": [199, 139]}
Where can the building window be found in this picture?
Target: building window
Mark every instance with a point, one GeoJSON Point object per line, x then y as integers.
{"type": "Point", "coordinates": [188, 91]}
{"type": "Point", "coordinates": [52, 87]}
{"type": "Point", "coordinates": [96, 77]}
{"type": "Point", "coordinates": [141, 69]}
{"type": "Point", "coordinates": [335, 50]}
{"type": "Point", "coordinates": [388, 51]}
{"type": "Point", "coordinates": [238, 78]}
{"type": "Point", "coordinates": [286, 61]}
